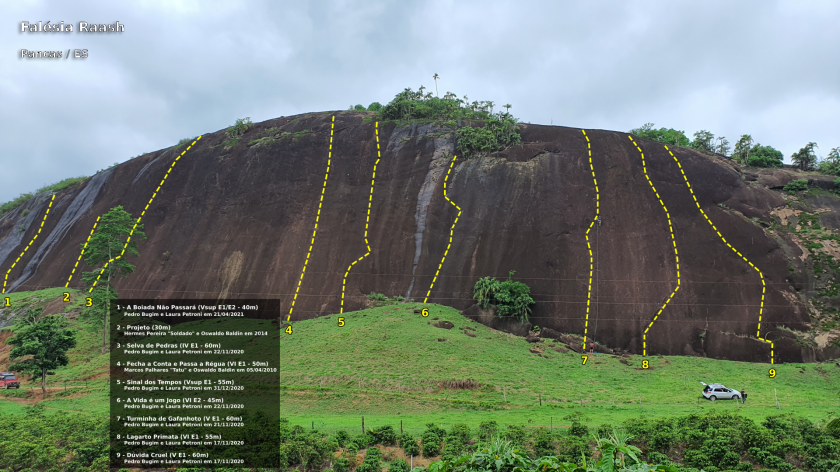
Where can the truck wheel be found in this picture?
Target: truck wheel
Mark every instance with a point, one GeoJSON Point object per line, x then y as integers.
{"type": "Point", "coordinates": [712, 398]}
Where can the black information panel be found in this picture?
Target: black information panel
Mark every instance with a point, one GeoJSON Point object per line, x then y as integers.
{"type": "Point", "coordinates": [194, 383]}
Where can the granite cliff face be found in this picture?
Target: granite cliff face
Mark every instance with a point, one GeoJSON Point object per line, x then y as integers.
{"type": "Point", "coordinates": [237, 222]}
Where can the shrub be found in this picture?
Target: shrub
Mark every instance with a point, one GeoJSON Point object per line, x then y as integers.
{"type": "Point", "coordinates": [342, 437]}
{"type": "Point", "coordinates": [542, 443]}
{"type": "Point", "coordinates": [24, 212]}
{"type": "Point", "coordinates": [515, 434]}
{"type": "Point", "coordinates": [361, 441]}
{"type": "Point", "coordinates": [431, 443]}
{"type": "Point", "coordinates": [744, 467]}
{"type": "Point", "coordinates": [729, 460]}
{"type": "Point", "coordinates": [697, 459]}
{"type": "Point", "coordinates": [657, 458]}
{"type": "Point", "coordinates": [9, 206]}
{"type": "Point", "coordinates": [409, 445]}
{"type": "Point", "coordinates": [183, 142]}
{"type": "Point", "coordinates": [341, 465]}
{"type": "Point", "coordinates": [578, 429]}
{"type": "Point", "coordinates": [765, 156]}
{"type": "Point", "coordinates": [61, 185]}
{"type": "Point", "coordinates": [384, 435]}
{"type": "Point", "coordinates": [359, 108]}
{"type": "Point", "coordinates": [377, 297]}
{"type": "Point", "coordinates": [460, 432]}
{"type": "Point", "coordinates": [453, 448]}
{"type": "Point", "coordinates": [796, 186]}
{"type": "Point", "coordinates": [487, 430]}
{"type": "Point", "coordinates": [399, 465]}
{"type": "Point", "coordinates": [375, 106]}
{"type": "Point", "coordinates": [511, 298]}
{"type": "Point", "coordinates": [239, 128]}
{"type": "Point", "coordinates": [663, 135]}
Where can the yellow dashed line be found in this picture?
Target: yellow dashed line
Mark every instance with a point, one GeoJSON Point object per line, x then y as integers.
{"type": "Point", "coordinates": [451, 230]}
{"type": "Point", "coordinates": [6, 278]}
{"type": "Point", "coordinates": [83, 251]}
{"type": "Point", "coordinates": [673, 241]}
{"type": "Point", "coordinates": [317, 217]}
{"type": "Point", "coordinates": [125, 246]}
{"type": "Point", "coordinates": [760, 275]}
{"type": "Point", "coordinates": [367, 220]}
{"type": "Point", "coordinates": [588, 244]}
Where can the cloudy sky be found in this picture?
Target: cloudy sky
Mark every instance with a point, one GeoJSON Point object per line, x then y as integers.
{"type": "Point", "coordinates": [183, 68]}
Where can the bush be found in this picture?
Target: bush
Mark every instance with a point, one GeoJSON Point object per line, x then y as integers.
{"type": "Point", "coordinates": [384, 435]}
{"type": "Point", "coordinates": [663, 135]}
{"type": "Point", "coordinates": [431, 444]}
{"type": "Point", "coordinates": [730, 460]}
{"type": "Point", "coordinates": [341, 465]}
{"type": "Point", "coordinates": [342, 437]}
{"type": "Point", "coordinates": [9, 206]}
{"type": "Point", "coordinates": [359, 108]}
{"type": "Point", "coordinates": [239, 128]}
{"type": "Point", "coordinates": [375, 106]}
{"type": "Point", "coordinates": [657, 458]}
{"type": "Point", "coordinates": [487, 430]}
{"type": "Point", "coordinates": [61, 185]}
{"type": "Point", "coordinates": [578, 429]}
{"type": "Point", "coordinates": [697, 459]}
{"type": "Point", "coordinates": [453, 448]}
{"type": "Point", "coordinates": [377, 297]}
{"type": "Point", "coordinates": [499, 132]}
{"type": "Point", "coordinates": [409, 445]}
{"type": "Point", "coordinates": [765, 156]}
{"type": "Point", "coordinates": [461, 432]}
{"type": "Point", "coordinates": [511, 298]}
{"type": "Point", "coordinates": [744, 467]}
{"type": "Point", "coordinates": [796, 186]}
{"type": "Point", "coordinates": [515, 434]}
{"type": "Point", "coordinates": [399, 465]}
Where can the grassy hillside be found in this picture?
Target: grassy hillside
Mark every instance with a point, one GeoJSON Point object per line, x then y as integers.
{"type": "Point", "coordinates": [388, 364]}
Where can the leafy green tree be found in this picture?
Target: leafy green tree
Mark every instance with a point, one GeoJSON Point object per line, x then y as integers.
{"type": "Point", "coordinates": [359, 107]}
{"type": "Point", "coordinates": [722, 146]}
{"type": "Point", "coordinates": [511, 298]}
{"type": "Point", "coordinates": [115, 237]}
{"type": "Point", "coordinates": [831, 164]}
{"type": "Point", "coordinates": [742, 148]}
{"type": "Point", "coordinates": [663, 135]}
{"type": "Point", "coordinates": [805, 158]}
{"type": "Point", "coordinates": [47, 341]}
{"type": "Point", "coordinates": [507, 106]}
{"type": "Point", "coordinates": [765, 156]}
{"type": "Point", "coordinates": [703, 141]}
{"type": "Point", "coordinates": [375, 106]}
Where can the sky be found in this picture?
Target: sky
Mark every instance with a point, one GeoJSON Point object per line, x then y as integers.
{"type": "Point", "coordinates": [184, 68]}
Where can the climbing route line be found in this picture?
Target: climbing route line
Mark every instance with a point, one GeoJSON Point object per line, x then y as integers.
{"type": "Point", "coordinates": [588, 244]}
{"type": "Point", "coordinates": [143, 213]}
{"type": "Point", "coordinates": [760, 275]}
{"type": "Point", "coordinates": [367, 220]}
{"type": "Point", "coordinates": [6, 278]}
{"type": "Point", "coordinates": [673, 241]}
{"type": "Point", "coordinates": [317, 218]}
{"type": "Point", "coordinates": [451, 230]}
{"type": "Point", "coordinates": [83, 252]}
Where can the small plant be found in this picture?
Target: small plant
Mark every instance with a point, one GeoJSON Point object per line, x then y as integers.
{"type": "Point", "coordinates": [377, 297]}
{"type": "Point", "coordinates": [184, 142]}
{"type": "Point", "coordinates": [409, 444]}
{"type": "Point", "coordinates": [21, 228]}
{"type": "Point", "coordinates": [239, 128]}
{"type": "Point", "coordinates": [399, 465]}
{"type": "Point", "coordinates": [24, 212]}
{"type": "Point", "coordinates": [230, 142]}
{"type": "Point", "coordinates": [796, 186]}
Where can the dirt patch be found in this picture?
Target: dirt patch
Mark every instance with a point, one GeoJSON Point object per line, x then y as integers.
{"type": "Point", "coordinates": [442, 340]}
{"type": "Point", "coordinates": [231, 268]}
{"type": "Point", "coordinates": [824, 338]}
{"type": "Point", "coordinates": [561, 349]}
{"type": "Point", "coordinates": [784, 213]}
{"type": "Point", "coordinates": [444, 324]}
{"type": "Point", "coordinates": [469, 333]}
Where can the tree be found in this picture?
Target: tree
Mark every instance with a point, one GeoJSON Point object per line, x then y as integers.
{"type": "Point", "coordinates": [47, 341]}
{"type": "Point", "coordinates": [831, 164]}
{"type": "Point", "coordinates": [703, 141]}
{"type": "Point", "coordinates": [765, 156]}
{"type": "Point", "coordinates": [742, 148]}
{"type": "Point", "coordinates": [115, 237]}
{"type": "Point", "coordinates": [507, 106]}
{"type": "Point", "coordinates": [663, 135]}
{"type": "Point", "coordinates": [436, 77]}
{"type": "Point", "coordinates": [805, 158]}
{"type": "Point", "coordinates": [723, 146]}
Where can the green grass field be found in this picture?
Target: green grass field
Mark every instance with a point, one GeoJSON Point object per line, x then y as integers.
{"type": "Point", "coordinates": [387, 365]}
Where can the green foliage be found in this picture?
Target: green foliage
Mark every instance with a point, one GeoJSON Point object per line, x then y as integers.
{"type": "Point", "coordinates": [108, 242]}
{"type": "Point", "coordinates": [377, 297]}
{"type": "Point", "coordinates": [9, 206]}
{"type": "Point", "coordinates": [384, 435]}
{"type": "Point", "coordinates": [765, 156]}
{"type": "Point", "coordinates": [452, 449]}
{"type": "Point", "coordinates": [742, 148]}
{"type": "Point", "coordinates": [56, 441]}
{"type": "Point", "coordinates": [515, 434]}
{"type": "Point", "coordinates": [61, 185]}
{"type": "Point", "coordinates": [487, 430]}
{"type": "Point", "coordinates": [499, 130]}
{"type": "Point", "coordinates": [431, 440]}
{"type": "Point", "coordinates": [341, 465]}
{"type": "Point", "coordinates": [831, 164]}
{"type": "Point", "coordinates": [47, 341]}
{"type": "Point", "coordinates": [805, 158]}
{"type": "Point", "coordinates": [511, 298]}
{"type": "Point", "coordinates": [796, 186]}
{"type": "Point", "coordinates": [375, 106]}
{"type": "Point", "coordinates": [409, 445]}
{"type": "Point", "coordinates": [703, 141]}
{"type": "Point", "coordinates": [663, 135]}
{"type": "Point", "coordinates": [239, 128]}
{"type": "Point", "coordinates": [24, 212]}
{"type": "Point", "coordinates": [359, 108]}
{"type": "Point", "coordinates": [399, 465]}
{"type": "Point", "coordinates": [461, 432]}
